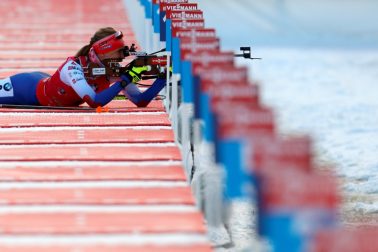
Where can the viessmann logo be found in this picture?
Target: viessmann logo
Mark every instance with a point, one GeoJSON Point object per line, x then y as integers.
{"type": "Point", "coordinates": [179, 7]}
{"type": "Point", "coordinates": [195, 46]}
{"type": "Point", "coordinates": [195, 33]}
{"type": "Point", "coordinates": [172, 1]}
{"type": "Point", "coordinates": [186, 15]}
{"type": "Point", "coordinates": [223, 75]}
{"type": "Point", "coordinates": [207, 58]}
{"type": "Point", "coordinates": [230, 91]}
{"type": "Point", "coordinates": [188, 24]}
{"type": "Point", "coordinates": [254, 117]}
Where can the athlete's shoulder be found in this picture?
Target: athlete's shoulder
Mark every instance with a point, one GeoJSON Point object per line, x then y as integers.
{"type": "Point", "coordinates": [71, 64]}
{"type": "Point", "coordinates": [71, 71]}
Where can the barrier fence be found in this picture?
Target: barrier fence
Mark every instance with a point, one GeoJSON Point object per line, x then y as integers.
{"type": "Point", "coordinates": [229, 143]}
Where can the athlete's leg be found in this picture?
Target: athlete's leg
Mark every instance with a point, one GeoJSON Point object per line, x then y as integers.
{"type": "Point", "coordinates": [142, 99]}
{"type": "Point", "coordinates": [20, 88]}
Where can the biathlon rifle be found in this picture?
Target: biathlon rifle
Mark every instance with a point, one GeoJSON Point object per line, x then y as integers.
{"type": "Point", "coordinates": [157, 65]}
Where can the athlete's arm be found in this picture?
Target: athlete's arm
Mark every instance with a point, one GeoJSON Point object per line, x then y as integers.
{"type": "Point", "coordinates": [72, 74]}
{"type": "Point", "coordinates": [142, 99]}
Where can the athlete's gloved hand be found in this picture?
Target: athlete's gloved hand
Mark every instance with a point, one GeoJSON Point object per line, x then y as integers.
{"type": "Point", "coordinates": [134, 73]}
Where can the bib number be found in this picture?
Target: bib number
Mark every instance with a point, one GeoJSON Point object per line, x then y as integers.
{"type": "Point", "coordinates": [6, 88]}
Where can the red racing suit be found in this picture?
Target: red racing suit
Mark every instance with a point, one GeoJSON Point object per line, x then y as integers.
{"type": "Point", "coordinates": [70, 86]}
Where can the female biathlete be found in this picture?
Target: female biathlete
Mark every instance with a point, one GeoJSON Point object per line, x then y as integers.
{"type": "Point", "coordinates": [70, 85]}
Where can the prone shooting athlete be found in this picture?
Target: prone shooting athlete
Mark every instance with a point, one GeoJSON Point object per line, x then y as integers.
{"type": "Point", "coordinates": [71, 85]}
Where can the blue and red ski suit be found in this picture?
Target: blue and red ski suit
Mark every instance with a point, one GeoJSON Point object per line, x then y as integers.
{"type": "Point", "coordinates": [70, 86]}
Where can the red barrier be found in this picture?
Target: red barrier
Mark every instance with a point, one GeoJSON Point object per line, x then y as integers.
{"type": "Point", "coordinates": [281, 192]}
{"type": "Point", "coordinates": [361, 239]}
{"type": "Point", "coordinates": [282, 154]}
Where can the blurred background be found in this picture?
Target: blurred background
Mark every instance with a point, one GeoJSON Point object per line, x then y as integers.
{"type": "Point", "coordinates": [320, 73]}
{"type": "Point", "coordinates": [292, 23]}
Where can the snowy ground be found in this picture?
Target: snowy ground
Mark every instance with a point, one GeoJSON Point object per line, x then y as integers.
{"type": "Point", "coordinates": [331, 95]}
{"type": "Point", "coordinates": [319, 71]}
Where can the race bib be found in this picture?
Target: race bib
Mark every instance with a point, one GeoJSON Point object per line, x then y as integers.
{"type": "Point", "coordinates": [6, 88]}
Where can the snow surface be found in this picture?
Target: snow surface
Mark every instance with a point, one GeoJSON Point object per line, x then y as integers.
{"type": "Point", "coordinates": [319, 72]}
